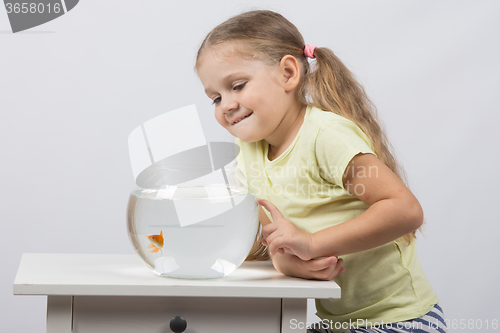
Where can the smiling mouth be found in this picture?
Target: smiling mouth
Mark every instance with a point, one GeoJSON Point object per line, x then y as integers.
{"type": "Point", "coordinates": [242, 118]}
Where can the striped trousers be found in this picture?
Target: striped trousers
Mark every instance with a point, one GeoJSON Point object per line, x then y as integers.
{"type": "Point", "coordinates": [432, 322]}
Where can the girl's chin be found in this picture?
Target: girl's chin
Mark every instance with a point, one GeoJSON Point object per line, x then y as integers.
{"type": "Point", "coordinates": [246, 137]}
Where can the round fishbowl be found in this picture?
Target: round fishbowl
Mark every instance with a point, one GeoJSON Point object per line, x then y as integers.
{"type": "Point", "coordinates": [194, 232]}
{"type": "Point", "coordinates": [193, 215]}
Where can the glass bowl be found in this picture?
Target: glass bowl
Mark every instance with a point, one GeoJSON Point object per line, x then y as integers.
{"type": "Point", "coordinates": [194, 232]}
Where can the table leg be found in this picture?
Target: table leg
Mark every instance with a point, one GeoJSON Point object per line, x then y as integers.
{"type": "Point", "coordinates": [293, 315]}
{"type": "Point", "coordinates": [59, 314]}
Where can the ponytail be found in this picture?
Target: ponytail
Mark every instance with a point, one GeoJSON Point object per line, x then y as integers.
{"type": "Point", "coordinates": [331, 86]}
{"type": "Point", "coordinates": [259, 252]}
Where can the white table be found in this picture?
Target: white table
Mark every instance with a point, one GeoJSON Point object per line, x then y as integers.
{"type": "Point", "coordinates": [118, 293]}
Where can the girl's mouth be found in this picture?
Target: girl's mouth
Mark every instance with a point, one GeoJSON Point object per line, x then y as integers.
{"type": "Point", "coordinates": [242, 118]}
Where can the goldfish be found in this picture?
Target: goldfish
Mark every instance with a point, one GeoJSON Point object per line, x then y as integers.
{"type": "Point", "coordinates": [156, 242]}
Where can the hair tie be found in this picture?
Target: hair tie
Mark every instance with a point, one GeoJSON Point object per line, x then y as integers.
{"type": "Point", "coordinates": [309, 51]}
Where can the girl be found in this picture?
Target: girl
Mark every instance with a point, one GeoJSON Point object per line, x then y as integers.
{"type": "Point", "coordinates": [312, 150]}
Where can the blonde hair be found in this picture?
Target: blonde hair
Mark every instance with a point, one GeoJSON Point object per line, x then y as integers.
{"type": "Point", "coordinates": [326, 83]}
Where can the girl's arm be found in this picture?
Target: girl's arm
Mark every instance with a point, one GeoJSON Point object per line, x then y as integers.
{"type": "Point", "coordinates": [291, 265]}
{"type": "Point", "coordinates": [315, 269]}
{"type": "Point", "coordinates": [394, 212]}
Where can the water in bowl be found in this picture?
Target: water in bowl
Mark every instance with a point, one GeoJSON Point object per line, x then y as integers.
{"type": "Point", "coordinates": [193, 232]}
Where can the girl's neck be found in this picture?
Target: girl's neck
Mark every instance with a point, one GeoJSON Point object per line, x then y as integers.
{"type": "Point", "coordinates": [286, 132]}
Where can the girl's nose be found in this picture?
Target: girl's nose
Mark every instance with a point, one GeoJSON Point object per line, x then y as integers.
{"type": "Point", "coordinates": [228, 105]}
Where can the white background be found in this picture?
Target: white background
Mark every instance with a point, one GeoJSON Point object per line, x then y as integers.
{"type": "Point", "coordinates": [72, 90]}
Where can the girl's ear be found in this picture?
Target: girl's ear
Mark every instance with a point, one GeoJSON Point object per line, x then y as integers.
{"type": "Point", "coordinates": [290, 71]}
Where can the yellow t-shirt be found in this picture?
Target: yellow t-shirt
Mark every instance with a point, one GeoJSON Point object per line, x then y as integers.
{"type": "Point", "coordinates": [305, 183]}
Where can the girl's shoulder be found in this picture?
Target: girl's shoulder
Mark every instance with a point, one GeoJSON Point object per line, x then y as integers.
{"type": "Point", "coordinates": [332, 129]}
{"type": "Point", "coordinates": [328, 120]}
{"type": "Point", "coordinates": [316, 114]}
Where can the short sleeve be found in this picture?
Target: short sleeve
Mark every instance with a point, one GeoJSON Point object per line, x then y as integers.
{"type": "Point", "coordinates": [337, 143]}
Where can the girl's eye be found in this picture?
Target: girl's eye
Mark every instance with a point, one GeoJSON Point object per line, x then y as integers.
{"type": "Point", "coordinates": [240, 86]}
{"type": "Point", "coordinates": [216, 101]}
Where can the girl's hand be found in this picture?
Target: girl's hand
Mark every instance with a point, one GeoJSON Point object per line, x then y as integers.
{"type": "Point", "coordinates": [315, 269]}
{"type": "Point", "coordinates": [282, 236]}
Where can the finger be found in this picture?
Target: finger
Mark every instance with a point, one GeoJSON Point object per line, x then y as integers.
{"type": "Point", "coordinates": [321, 264]}
{"type": "Point", "coordinates": [276, 241]}
{"type": "Point", "coordinates": [268, 230]}
{"type": "Point", "coordinates": [324, 274]}
{"type": "Point", "coordinates": [329, 273]}
{"type": "Point", "coordinates": [337, 269]}
{"type": "Point", "coordinates": [263, 219]}
{"type": "Point", "coordinates": [275, 245]}
{"type": "Point", "coordinates": [275, 213]}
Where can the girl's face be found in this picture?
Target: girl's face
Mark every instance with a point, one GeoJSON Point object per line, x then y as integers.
{"type": "Point", "coordinates": [249, 95]}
